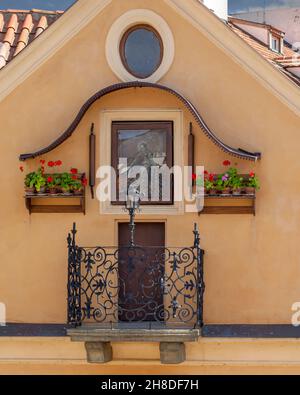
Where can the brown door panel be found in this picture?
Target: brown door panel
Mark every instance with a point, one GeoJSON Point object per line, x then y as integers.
{"type": "Point", "coordinates": [141, 270]}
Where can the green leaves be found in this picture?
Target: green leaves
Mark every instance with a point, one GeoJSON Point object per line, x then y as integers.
{"type": "Point", "coordinates": [253, 182]}
{"type": "Point", "coordinates": [29, 180]}
{"type": "Point", "coordinates": [54, 181]}
{"type": "Point", "coordinates": [35, 180]}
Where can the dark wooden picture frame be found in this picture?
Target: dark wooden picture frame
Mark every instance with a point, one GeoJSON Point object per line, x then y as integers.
{"type": "Point", "coordinates": [149, 127]}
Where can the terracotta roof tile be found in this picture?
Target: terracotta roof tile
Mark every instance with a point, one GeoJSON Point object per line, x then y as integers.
{"type": "Point", "coordinates": [18, 28]}
{"type": "Point", "coordinates": [24, 35]}
{"type": "Point", "coordinates": [42, 25]}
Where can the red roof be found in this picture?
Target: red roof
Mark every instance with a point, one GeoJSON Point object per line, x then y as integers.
{"type": "Point", "coordinates": [18, 28]}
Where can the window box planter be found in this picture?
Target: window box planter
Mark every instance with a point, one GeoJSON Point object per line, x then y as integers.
{"type": "Point", "coordinates": [229, 192]}
{"type": "Point", "coordinates": [229, 204]}
{"type": "Point", "coordinates": [58, 203]}
{"type": "Point", "coordinates": [59, 193]}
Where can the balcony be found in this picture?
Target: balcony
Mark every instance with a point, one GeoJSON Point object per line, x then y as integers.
{"type": "Point", "coordinates": [135, 293]}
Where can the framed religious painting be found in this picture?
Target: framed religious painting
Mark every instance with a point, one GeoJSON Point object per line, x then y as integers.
{"type": "Point", "coordinates": [142, 158]}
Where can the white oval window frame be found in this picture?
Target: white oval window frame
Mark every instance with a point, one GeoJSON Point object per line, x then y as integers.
{"type": "Point", "coordinates": [118, 29]}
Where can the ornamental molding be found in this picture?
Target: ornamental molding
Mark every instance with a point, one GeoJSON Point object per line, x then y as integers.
{"type": "Point", "coordinates": [238, 152]}
{"type": "Point", "coordinates": [125, 22]}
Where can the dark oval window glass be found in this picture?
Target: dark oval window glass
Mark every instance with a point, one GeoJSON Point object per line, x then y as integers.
{"type": "Point", "coordinates": [141, 51]}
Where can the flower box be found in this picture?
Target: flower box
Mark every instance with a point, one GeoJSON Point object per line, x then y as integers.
{"type": "Point", "coordinates": [59, 192]}
{"type": "Point", "coordinates": [59, 203]}
{"type": "Point", "coordinates": [228, 192]}
{"type": "Point", "coordinates": [229, 204]}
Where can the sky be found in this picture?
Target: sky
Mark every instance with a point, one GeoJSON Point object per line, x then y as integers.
{"type": "Point", "coordinates": [40, 4]}
{"type": "Point", "coordinates": [234, 5]}
{"type": "Point", "coordinates": [245, 5]}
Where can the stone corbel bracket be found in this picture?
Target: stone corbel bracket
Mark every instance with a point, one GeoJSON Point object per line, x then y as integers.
{"type": "Point", "coordinates": [98, 341]}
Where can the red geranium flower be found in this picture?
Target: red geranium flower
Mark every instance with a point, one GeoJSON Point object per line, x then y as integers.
{"type": "Point", "coordinates": [205, 172]}
{"type": "Point", "coordinates": [194, 176]}
{"type": "Point", "coordinates": [58, 163]}
{"type": "Point", "coordinates": [49, 179]}
{"type": "Point", "coordinates": [51, 163]}
{"type": "Point", "coordinates": [252, 174]}
{"type": "Point", "coordinates": [226, 163]}
{"type": "Point", "coordinates": [74, 171]}
{"type": "Point", "coordinates": [84, 181]}
{"type": "Point", "coordinates": [211, 177]}
{"type": "Point", "coordinates": [21, 168]}
{"type": "Point", "coordinates": [42, 161]}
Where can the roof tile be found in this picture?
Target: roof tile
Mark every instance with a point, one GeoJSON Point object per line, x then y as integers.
{"type": "Point", "coordinates": [42, 25]}
{"type": "Point", "coordinates": [18, 28]}
{"type": "Point", "coordinates": [24, 34]}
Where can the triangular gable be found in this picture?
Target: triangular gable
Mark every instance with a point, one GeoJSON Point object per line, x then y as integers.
{"type": "Point", "coordinates": [83, 11]}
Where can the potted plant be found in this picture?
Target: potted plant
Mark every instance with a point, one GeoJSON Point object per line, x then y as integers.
{"type": "Point", "coordinates": [77, 187]}
{"type": "Point", "coordinates": [252, 184]}
{"type": "Point", "coordinates": [219, 184]}
{"type": "Point", "coordinates": [209, 183]}
{"type": "Point", "coordinates": [29, 183]}
{"type": "Point", "coordinates": [229, 177]}
{"type": "Point", "coordinates": [52, 184]}
{"type": "Point", "coordinates": [78, 184]}
{"type": "Point", "coordinates": [226, 184]}
{"type": "Point", "coordinates": [66, 183]}
{"type": "Point", "coordinates": [208, 186]}
{"type": "Point", "coordinates": [236, 185]}
{"type": "Point", "coordinates": [53, 180]}
{"type": "Point", "coordinates": [222, 184]}
{"type": "Point", "coordinates": [235, 181]}
{"type": "Point", "coordinates": [39, 181]}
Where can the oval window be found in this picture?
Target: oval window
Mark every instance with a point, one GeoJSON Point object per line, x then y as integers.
{"type": "Point", "coordinates": [141, 51]}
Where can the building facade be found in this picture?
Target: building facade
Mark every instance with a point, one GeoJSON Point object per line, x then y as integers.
{"type": "Point", "coordinates": [80, 96]}
{"type": "Point", "coordinates": [286, 19]}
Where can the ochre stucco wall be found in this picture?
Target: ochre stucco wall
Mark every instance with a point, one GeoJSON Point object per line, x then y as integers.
{"type": "Point", "coordinates": [251, 263]}
{"type": "Point", "coordinates": [27, 355]}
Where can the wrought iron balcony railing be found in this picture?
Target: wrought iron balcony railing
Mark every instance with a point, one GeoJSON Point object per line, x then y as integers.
{"type": "Point", "coordinates": [135, 285]}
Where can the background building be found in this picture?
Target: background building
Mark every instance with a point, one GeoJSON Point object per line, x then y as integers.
{"type": "Point", "coordinates": [285, 19]}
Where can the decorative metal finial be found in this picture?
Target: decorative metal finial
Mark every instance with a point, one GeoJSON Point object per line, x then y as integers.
{"type": "Point", "coordinates": [73, 231]}
{"type": "Point", "coordinates": [196, 236]}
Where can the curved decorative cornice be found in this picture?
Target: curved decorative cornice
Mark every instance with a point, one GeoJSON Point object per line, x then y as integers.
{"type": "Point", "coordinates": [138, 84]}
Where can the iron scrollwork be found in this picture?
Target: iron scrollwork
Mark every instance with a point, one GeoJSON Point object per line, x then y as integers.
{"type": "Point", "coordinates": [135, 284]}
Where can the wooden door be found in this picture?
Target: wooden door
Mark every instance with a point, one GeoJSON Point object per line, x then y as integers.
{"type": "Point", "coordinates": [141, 271]}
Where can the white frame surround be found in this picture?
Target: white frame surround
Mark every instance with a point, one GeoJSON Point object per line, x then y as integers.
{"type": "Point", "coordinates": [154, 114]}
{"type": "Point", "coordinates": [279, 41]}
{"type": "Point", "coordinates": [116, 32]}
